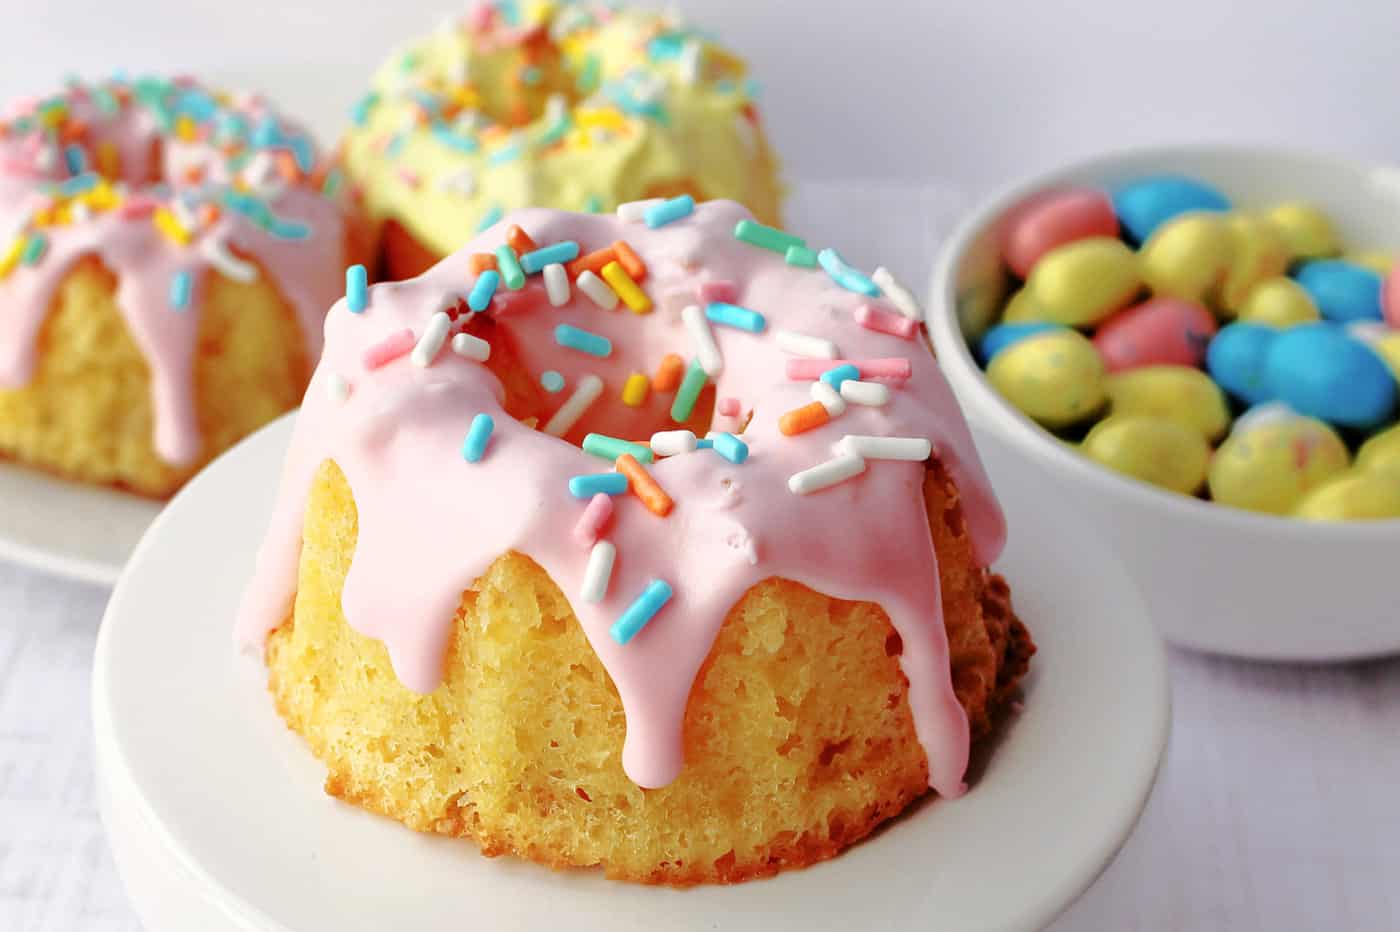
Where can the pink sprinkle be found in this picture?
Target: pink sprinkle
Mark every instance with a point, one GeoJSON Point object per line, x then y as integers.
{"type": "Point", "coordinates": [480, 17]}
{"type": "Point", "coordinates": [594, 518]}
{"type": "Point", "coordinates": [136, 207]}
{"type": "Point", "coordinates": [728, 407]}
{"type": "Point", "coordinates": [409, 177]}
{"type": "Point", "coordinates": [389, 349]}
{"type": "Point", "coordinates": [725, 292]}
{"type": "Point", "coordinates": [882, 321]}
{"type": "Point", "coordinates": [806, 370]}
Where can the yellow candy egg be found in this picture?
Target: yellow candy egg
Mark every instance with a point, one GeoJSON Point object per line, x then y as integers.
{"type": "Point", "coordinates": [1376, 260]}
{"type": "Point", "coordinates": [1188, 257]}
{"type": "Point", "coordinates": [1388, 348]}
{"type": "Point", "coordinates": [1278, 302]}
{"type": "Point", "coordinates": [981, 287]}
{"type": "Point", "coordinates": [1085, 281]}
{"type": "Point", "coordinates": [1020, 309]}
{"type": "Point", "coordinates": [1271, 465]}
{"type": "Point", "coordinates": [1154, 449]}
{"type": "Point", "coordinates": [1178, 393]}
{"type": "Point", "coordinates": [1259, 253]}
{"type": "Point", "coordinates": [1381, 451]}
{"type": "Point", "coordinates": [1055, 378]}
{"type": "Point", "coordinates": [1306, 230]}
{"type": "Point", "coordinates": [1358, 495]}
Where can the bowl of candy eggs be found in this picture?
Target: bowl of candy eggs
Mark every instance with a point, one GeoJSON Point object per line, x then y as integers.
{"type": "Point", "coordinates": [1199, 347]}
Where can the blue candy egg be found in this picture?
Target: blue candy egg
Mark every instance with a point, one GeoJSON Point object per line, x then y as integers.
{"type": "Point", "coordinates": [1322, 371]}
{"type": "Point", "coordinates": [1236, 357]}
{"type": "Point", "coordinates": [1005, 335]}
{"type": "Point", "coordinates": [1147, 203]}
{"type": "Point", "coordinates": [1342, 291]}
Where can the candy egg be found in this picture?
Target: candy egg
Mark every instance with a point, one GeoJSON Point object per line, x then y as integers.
{"type": "Point", "coordinates": [1381, 451]}
{"type": "Point", "coordinates": [1259, 252]}
{"type": "Point", "coordinates": [1322, 371]}
{"type": "Point", "coordinates": [1236, 358]}
{"type": "Point", "coordinates": [1306, 229]}
{"type": "Point", "coordinates": [1158, 331]}
{"type": "Point", "coordinates": [1359, 495]}
{"type": "Point", "coordinates": [1278, 302]}
{"type": "Point", "coordinates": [1381, 339]}
{"type": "Point", "coordinates": [1052, 219]}
{"type": "Point", "coordinates": [1146, 203]}
{"type": "Point", "coordinates": [1020, 309]}
{"type": "Point", "coordinates": [1188, 257]}
{"type": "Point", "coordinates": [1342, 291]}
{"type": "Point", "coordinates": [981, 287]}
{"type": "Point", "coordinates": [1177, 393]}
{"type": "Point", "coordinates": [1155, 450]}
{"type": "Point", "coordinates": [1004, 335]}
{"type": "Point", "coordinates": [1374, 259]}
{"type": "Point", "coordinates": [1270, 465]}
{"type": "Point", "coordinates": [1056, 378]}
{"type": "Point", "coordinates": [1390, 298]}
{"type": "Point", "coordinates": [1083, 282]}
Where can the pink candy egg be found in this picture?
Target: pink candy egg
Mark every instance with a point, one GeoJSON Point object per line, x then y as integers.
{"type": "Point", "coordinates": [1390, 298]}
{"type": "Point", "coordinates": [1157, 332]}
{"type": "Point", "coordinates": [1051, 219]}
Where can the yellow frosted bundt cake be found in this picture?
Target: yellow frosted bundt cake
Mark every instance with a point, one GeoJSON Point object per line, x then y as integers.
{"type": "Point", "coordinates": [495, 611]}
{"type": "Point", "coordinates": [575, 105]}
{"type": "Point", "coordinates": [166, 257]}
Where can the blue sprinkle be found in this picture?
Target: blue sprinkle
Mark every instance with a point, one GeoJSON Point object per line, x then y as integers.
{"type": "Point", "coordinates": [704, 443]}
{"type": "Point", "coordinates": [359, 113]}
{"type": "Point", "coordinates": [34, 249]}
{"type": "Point", "coordinates": [266, 134]}
{"type": "Point", "coordinates": [532, 262]}
{"type": "Point", "coordinates": [730, 447]}
{"type": "Point", "coordinates": [78, 184]}
{"type": "Point", "coordinates": [474, 447]}
{"type": "Point", "coordinates": [304, 152]}
{"type": "Point", "coordinates": [427, 102]}
{"type": "Point", "coordinates": [395, 146]}
{"type": "Point", "coordinates": [493, 217]}
{"type": "Point", "coordinates": [640, 612]}
{"type": "Point", "coordinates": [181, 287]}
{"type": "Point", "coordinates": [505, 155]}
{"type": "Point", "coordinates": [530, 75]}
{"type": "Point", "coordinates": [621, 95]}
{"type": "Point", "coordinates": [288, 229]}
{"type": "Point", "coordinates": [752, 89]}
{"type": "Point", "coordinates": [356, 289]}
{"type": "Point", "coordinates": [658, 215]}
{"type": "Point", "coordinates": [732, 315]}
{"type": "Point", "coordinates": [834, 377]}
{"type": "Point", "coordinates": [555, 133]}
{"type": "Point", "coordinates": [75, 158]}
{"type": "Point", "coordinates": [666, 46]}
{"type": "Point", "coordinates": [587, 486]}
{"type": "Point", "coordinates": [484, 289]}
{"type": "Point", "coordinates": [845, 275]}
{"type": "Point", "coordinates": [552, 381]}
{"type": "Point", "coordinates": [582, 340]}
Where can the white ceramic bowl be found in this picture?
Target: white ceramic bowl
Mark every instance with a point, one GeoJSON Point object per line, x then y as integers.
{"type": "Point", "coordinates": [1216, 578]}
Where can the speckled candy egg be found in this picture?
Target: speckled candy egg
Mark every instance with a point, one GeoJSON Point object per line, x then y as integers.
{"type": "Point", "coordinates": [1258, 252]}
{"type": "Point", "coordinates": [1381, 451]}
{"type": "Point", "coordinates": [1083, 282]}
{"type": "Point", "coordinates": [1188, 257]}
{"type": "Point", "coordinates": [1322, 371]}
{"type": "Point", "coordinates": [1176, 393]}
{"type": "Point", "coordinates": [1003, 336]}
{"type": "Point", "coordinates": [1162, 330]}
{"type": "Point", "coordinates": [1154, 449]}
{"type": "Point", "coordinates": [1358, 495]}
{"type": "Point", "coordinates": [1306, 229]}
{"type": "Point", "coordinates": [1269, 464]}
{"type": "Point", "coordinates": [1278, 302]}
{"type": "Point", "coordinates": [1051, 219]}
{"type": "Point", "coordinates": [1055, 378]}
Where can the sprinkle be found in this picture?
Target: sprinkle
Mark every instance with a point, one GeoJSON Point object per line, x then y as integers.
{"type": "Point", "coordinates": [636, 211]}
{"type": "Point", "coordinates": [11, 256]}
{"type": "Point", "coordinates": [598, 573]}
{"type": "Point", "coordinates": [337, 388]}
{"type": "Point", "coordinates": [552, 381]}
{"type": "Point", "coordinates": [728, 407]}
{"type": "Point", "coordinates": [585, 341]}
{"type": "Point", "coordinates": [388, 349]}
{"type": "Point", "coordinates": [610, 448]}
{"type": "Point", "coordinates": [479, 262]}
{"type": "Point", "coordinates": [846, 275]}
{"type": "Point", "coordinates": [640, 612]}
{"type": "Point", "coordinates": [724, 291]}
{"type": "Point", "coordinates": [730, 447]}
{"type": "Point", "coordinates": [634, 391]}
{"type": "Point", "coordinates": [585, 393]}
{"type": "Point", "coordinates": [881, 321]}
{"type": "Point", "coordinates": [901, 297]}
{"type": "Point", "coordinates": [732, 315]}
{"type": "Point", "coordinates": [409, 177]}
{"type": "Point", "coordinates": [215, 251]}
{"type": "Point", "coordinates": [430, 343]}
{"type": "Point", "coordinates": [629, 260]}
{"type": "Point", "coordinates": [873, 394]}
{"type": "Point", "coordinates": [632, 296]}
{"type": "Point", "coordinates": [356, 289]}
{"type": "Point", "coordinates": [181, 287]}
{"type": "Point", "coordinates": [474, 447]}
{"type": "Point", "coordinates": [669, 373]}
{"type": "Point", "coordinates": [912, 449]}
{"type": "Point", "coordinates": [509, 267]}
{"type": "Point", "coordinates": [688, 392]}
{"type": "Point", "coordinates": [702, 340]}
{"type": "Point", "coordinates": [800, 420]}
{"type": "Point", "coordinates": [829, 398]}
{"type": "Point", "coordinates": [519, 240]}
{"type": "Point", "coordinates": [593, 204]}
{"type": "Point", "coordinates": [802, 344]}
{"type": "Point", "coordinates": [801, 256]}
{"type": "Point", "coordinates": [896, 369]}
{"type": "Point", "coordinates": [704, 443]}
{"type": "Point", "coordinates": [598, 483]}
{"type": "Point", "coordinates": [490, 219]}
{"type": "Point", "coordinates": [658, 215]}
{"type": "Point", "coordinates": [824, 475]}
{"type": "Point", "coordinates": [464, 344]}
{"type": "Point", "coordinates": [108, 159]}
{"type": "Point", "coordinates": [34, 249]}
{"type": "Point", "coordinates": [483, 290]}
{"type": "Point", "coordinates": [556, 284]}
{"type": "Point", "coordinates": [644, 486]}
{"type": "Point", "coordinates": [170, 227]}
{"type": "Point", "coordinates": [672, 442]}
{"type": "Point", "coordinates": [835, 376]}
{"type": "Point", "coordinates": [766, 237]}
{"type": "Point", "coordinates": [75, 158]}
{"type": "Point", "coordinates": [555, 253]}
{"type": "Point", "coordinates": [595, 517]}
{"type": "Point", "coordinates": [597, 290]}
{"type": "Point", "coordinates": [593, 262]}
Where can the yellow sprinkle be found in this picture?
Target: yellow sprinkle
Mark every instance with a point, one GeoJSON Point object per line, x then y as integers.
{"type": "Point", "coordinates": [53, 117]}
{"type": "Point", "coordinates": [109, 160]}
{"type": "Point", "coordinates": [540, 11]}
{"type": "Point", "coordinates": [100, 197]}
{"type": "Point", "coordinates": [62, 215]}
{"type": "Point", "coordinates": [634, 391]}
{"type": "Point", "coordinates": [165, 222]}
{"type": "Point", "coordinates": [10, 259]}
{"type": "Point", "coordinates": [600, 117]}
{"type": "Point", "coordinates": [631, 295]}
{"type": "Point", "coordinates": [184, 127]}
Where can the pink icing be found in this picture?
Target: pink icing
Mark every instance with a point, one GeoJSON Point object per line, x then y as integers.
{"type": "Point", "coordinates": [430, 524]}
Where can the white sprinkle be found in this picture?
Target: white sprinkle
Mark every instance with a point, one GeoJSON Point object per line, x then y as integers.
{"type": "Point", "coordinates": [337, 388]}
{"type": "Point", "coordinates": [461, 182]}
{"type": "Point", "coordinates": [464, 344]}
{"type": "Point", "coordinates": [826, 474]}
{"type": "Point", "coordinates": [672, 442]}
{"type": "Point", "coordinates": [45, 157]}
{"type": "Point", "coordinates": [635, 211]}
{"type": "Point", "coordinates": [803, 344]}
{"type": "Point", "coordinates": [702, 339]}
{"type": "Point", "coordinates": [829, 397]}
{"type": "Point", "coordinates": [691, 58]}
{"type": "Point", "coordinates": [598, 573]}
{"type": "Point", "coordinates": [597, 289]}
{"type": "Point", "coordinates": [556, 284]}
{"type": "Point", "coordinates": [588, 389]}
{"type": "Point", "coordinates": [555, 109]}
{"type": "Point", "coordinates": [81, 212]}
{"type": "Point", "coordinates": [899, 296]}
{"type": "Point", "coordinates": [260, 169]}
{"type": "Point", "coordinates": [865, 393]}
{"type": "Point", "coordinates": [184, 213]}
{"type": "Point", "coordinates": [912, 449]}
{"type": "Point", "coordinates": [215, 251]}
{"type": "Point", "coordinates": [430, 343]}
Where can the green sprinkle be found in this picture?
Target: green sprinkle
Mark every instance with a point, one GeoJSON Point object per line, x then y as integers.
{"type": "Point", "coordinates": [34, 249]}
{"type": "Point", "coordinates": [801, 256]}
{"type": "Point", "coordinates": [684, 405]}
{"type": "Point", "coordinates": [764, 237]}
{"type": "Point", "coordinates": [594, 204]}
{"type": "Point", "coordinates": [491, 218]}
{"type": "Point", "coordinates": [588, 77]}
{"type": "Point", "coordinates": [531, 75]}
{"type": "Point", "coordinates": [511, 272]}
{"type": "Point", "coordinates": [332, 182]}
{"type": "Point", "coordinates": [610, 448]}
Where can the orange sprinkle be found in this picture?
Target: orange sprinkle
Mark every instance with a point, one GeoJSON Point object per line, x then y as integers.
{"type": "Point", "coordinates": [208, 213]}
{"type": "Point", "coordinates": [644, 486]}
{"type": "Point", "coordinates": [73, 131]}
{"type": "Point", "coordinates": [194, 174]}
{"type": "Point", "coordinates": [802, 419]}
{"type": "Point", "coordinates": [480, 262]}
{"type": "Point", "coordinates": [287, 167]}
{"type": "Point", "coordinates": [669, 373]}
{"type": "Point", "coordinates": [630, 261]}
{"type": "Point", "coordinates": [593, 262]}
{"type": "Point", "coordinates": [520, 241]}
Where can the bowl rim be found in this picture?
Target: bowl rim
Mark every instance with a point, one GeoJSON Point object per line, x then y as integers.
{"type": "Point", "coordinates": [946, 333]}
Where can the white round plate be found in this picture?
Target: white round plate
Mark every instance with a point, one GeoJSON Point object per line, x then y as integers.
{"type": "Point", "coordinates": [82, 531]}
{"type": "Point", "coordinates": [218, 821]}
